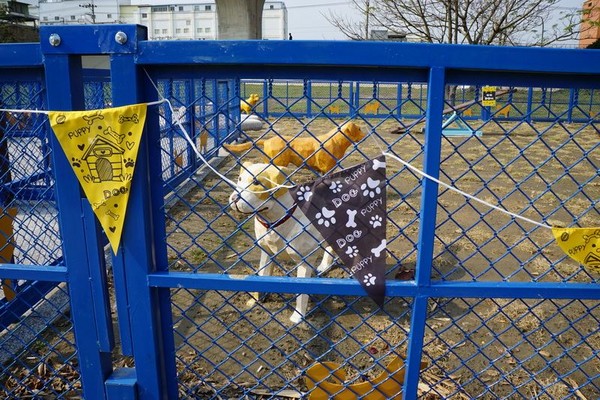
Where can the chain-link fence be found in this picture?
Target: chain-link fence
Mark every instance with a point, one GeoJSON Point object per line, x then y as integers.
{"type": "Point", "coordinates": [37, 350]}
{"type": "Point", "coordinates": [480, 303]}
{"type": "Point", "coordinates": [227, 345]}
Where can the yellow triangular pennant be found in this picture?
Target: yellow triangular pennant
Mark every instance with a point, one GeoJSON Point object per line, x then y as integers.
{"type": "Point", "coordinates": [102, 147]}
{"type": "Point", "coordinates": [581, 244]}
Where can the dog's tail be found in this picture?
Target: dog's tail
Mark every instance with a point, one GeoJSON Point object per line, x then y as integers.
{"type": "Point", "coordinates": [238, 148]}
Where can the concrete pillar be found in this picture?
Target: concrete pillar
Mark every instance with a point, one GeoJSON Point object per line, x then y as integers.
{"type": "Point", "coordinates": [239, 19]}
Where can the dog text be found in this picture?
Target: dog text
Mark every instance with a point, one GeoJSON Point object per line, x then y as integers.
{"type": "Point", "coordinates": [372, 206]}
{"type": "Point", "coordinates": [355, 174]}
{"type": "Point", "coordinates": [79, 132]}
{"type": "Point", "coordinates": [115, 192]}
{"type": "Point", "coordinates": [361, 264]}
{"type": "Point", "coordinates": [338, 201]}
{"type": "Point", "coordinates": [341, 242]}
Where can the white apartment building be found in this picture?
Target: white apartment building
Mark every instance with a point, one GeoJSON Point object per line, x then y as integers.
{"type": "Point", "coordinates": [185, 20]}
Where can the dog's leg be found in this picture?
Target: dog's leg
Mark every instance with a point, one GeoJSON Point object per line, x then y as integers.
{"type": "Point", "coordinates": [327, 262]}
{"type": "Point", "coordinates": [265, 268]}
{"type": "Point", "coordinates": [304, 271]}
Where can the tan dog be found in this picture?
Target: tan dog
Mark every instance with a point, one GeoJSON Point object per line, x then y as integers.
{"type": "Point", "coordinates": [280, 227]}
{"type": "Point", "coordinates": [321, 152]}
{"type": "Point", "coordinates": [248, 104]}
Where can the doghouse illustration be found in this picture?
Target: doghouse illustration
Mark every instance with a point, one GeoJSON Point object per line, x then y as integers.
{"type": "Point", "coordinates": [105, 160]}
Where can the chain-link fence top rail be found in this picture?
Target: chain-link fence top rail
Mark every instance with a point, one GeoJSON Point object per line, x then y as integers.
{"type": "Point", "coordinates": [487, 302]}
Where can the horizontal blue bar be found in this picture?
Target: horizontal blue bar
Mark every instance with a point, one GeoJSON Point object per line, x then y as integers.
{"type": "Point", "coordinates": [49, 273]}
{"type": "Point", "coordinates": [20, 55]}
{"type": "Point", "coordinates": [349, 287]}
{"type": "Point", "coordinates": [370, 54]}
{"type": "Point", "coordinates": [509, 290]}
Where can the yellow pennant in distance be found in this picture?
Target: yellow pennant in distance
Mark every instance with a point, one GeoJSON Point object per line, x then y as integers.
{"type": "Point", "coordinates": [581, 244]}
{"type": "Point", "coordinates": [102, 147]}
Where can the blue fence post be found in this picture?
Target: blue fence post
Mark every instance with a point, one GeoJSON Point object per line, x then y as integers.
{"type": "Point", "coordinates": [265, 100]}
{"type": "Point", "coordinates": [431, 166]}
{"type": "Point", "coordinates": [573, 98]}
{"type": "Point", "coordinates": [149, 308]}
{"type": "Point", "coordinates": [529, 117]}
{"type": "Point", "coordinates": [399, 99]}
{"type": "Point", "coordinates": [64, 85]}
{"type": "Point", "coordinates": [354, 98]}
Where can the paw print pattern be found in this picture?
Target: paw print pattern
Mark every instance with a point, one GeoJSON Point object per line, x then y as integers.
{"type": "Point", "coordinates": [129, 163]}
{"type": "Point", "coordinates": [376, 221]}
{"type": "Point", "coordinates": [336, 187]}
{"type": "Point", "coordinates": [76, 162]}
{"type": "Point", "coordinates": [352, 251]}
{"type": "Point", "coordinates": [369, 279]}
{"type": "Point", "coordinates": [371, 188]}
{"type": "Point", "coordinates": [304, 193]}
{"type": "Point", "coordinates": [326, 217]}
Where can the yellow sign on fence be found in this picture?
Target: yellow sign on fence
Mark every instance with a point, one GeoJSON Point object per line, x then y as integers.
{"type": "Point", "coordinates": [488, 96]}
{"type": "Point", "coordinates": [102, 147]}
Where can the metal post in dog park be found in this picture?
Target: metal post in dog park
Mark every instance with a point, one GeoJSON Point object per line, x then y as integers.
{"type": "Point", "coordinates": [195, 299]}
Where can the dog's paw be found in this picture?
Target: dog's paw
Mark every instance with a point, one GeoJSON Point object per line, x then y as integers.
{"type": "Point", "coordinates": [296, 317]}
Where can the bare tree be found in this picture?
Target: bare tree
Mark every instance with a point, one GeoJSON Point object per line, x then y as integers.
{"type": "Point", "coordinates": [505, 22]}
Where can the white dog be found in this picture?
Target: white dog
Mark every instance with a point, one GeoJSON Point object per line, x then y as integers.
{"type": "Point", "coordinates": [280, 227]}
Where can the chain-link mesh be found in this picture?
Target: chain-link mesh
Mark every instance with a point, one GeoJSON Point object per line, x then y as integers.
{"type": "Point", "coordinates": [37, 351]}
{"type": "Point", "coordinates": [533, 154]}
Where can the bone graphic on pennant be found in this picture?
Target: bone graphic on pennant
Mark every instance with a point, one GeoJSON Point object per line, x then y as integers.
{"type": "Point", "coordinates": [377, 250]}
{"type": "Point", "coordinates": [351, 215]}
{"type": "Point", "coordinates": [134, 118]}
{"type": "Point", "coordinates": [112, 215]}
{"type": "Point", "coordinates": [91, 118]}
{"type": "Point", "coordinates": [378, 164]}
{"type": "Point", "coordinates": [109, 131]}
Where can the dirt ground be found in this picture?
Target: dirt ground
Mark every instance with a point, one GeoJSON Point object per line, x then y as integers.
{"type": "Point", "coordinates": [509, 348]}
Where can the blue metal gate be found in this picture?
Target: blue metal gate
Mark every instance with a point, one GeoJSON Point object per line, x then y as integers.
{"type": "Point", "coordinates": [486, 301]}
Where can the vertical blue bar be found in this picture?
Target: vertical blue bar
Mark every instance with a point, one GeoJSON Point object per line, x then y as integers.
{"type": "Point", "coordinates": [98, 279]}
{"type": "Point", "coordinates": [64, 87]}
{"type": "Point", "coordinates": [573, 97]}
{"type": "Point", "coordinates": [399, 99]}
{"type": "Point", "coordinates": [354, 97]}
{"type": "Point", "coordinates": [149, 308]}
{"type": "Point", "coordinates": [529, 104]}
{"type": "Point", "coordinates": [308, 90]}
{"type": "Point", "coordinates": [265, 99]}
{"type": "Point", "coordinates": [431, 166]}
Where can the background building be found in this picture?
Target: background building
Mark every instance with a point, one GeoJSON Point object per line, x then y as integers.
{"type": "Point", "coordinates": [17, 24]}
{"type": "Point", "coordinates": [185, 20]}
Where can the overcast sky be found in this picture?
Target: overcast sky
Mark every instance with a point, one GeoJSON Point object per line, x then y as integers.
{"type": "Point", "coordinates": [306, 20]}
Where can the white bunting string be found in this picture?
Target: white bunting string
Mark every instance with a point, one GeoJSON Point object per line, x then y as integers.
{"type": "Point", "coordinates": [187, 138]}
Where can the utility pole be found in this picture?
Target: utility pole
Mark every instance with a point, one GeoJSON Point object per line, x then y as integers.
{"type": "Point", "coordinates": [92, 8]}
{"type": "Point", "coordinates": [368, 13]}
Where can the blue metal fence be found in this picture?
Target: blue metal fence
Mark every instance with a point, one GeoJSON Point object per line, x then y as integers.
{"type": "Point", "coordinates": [488, 303]}
{"type": "Point", "coordinates": [409, 99]}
